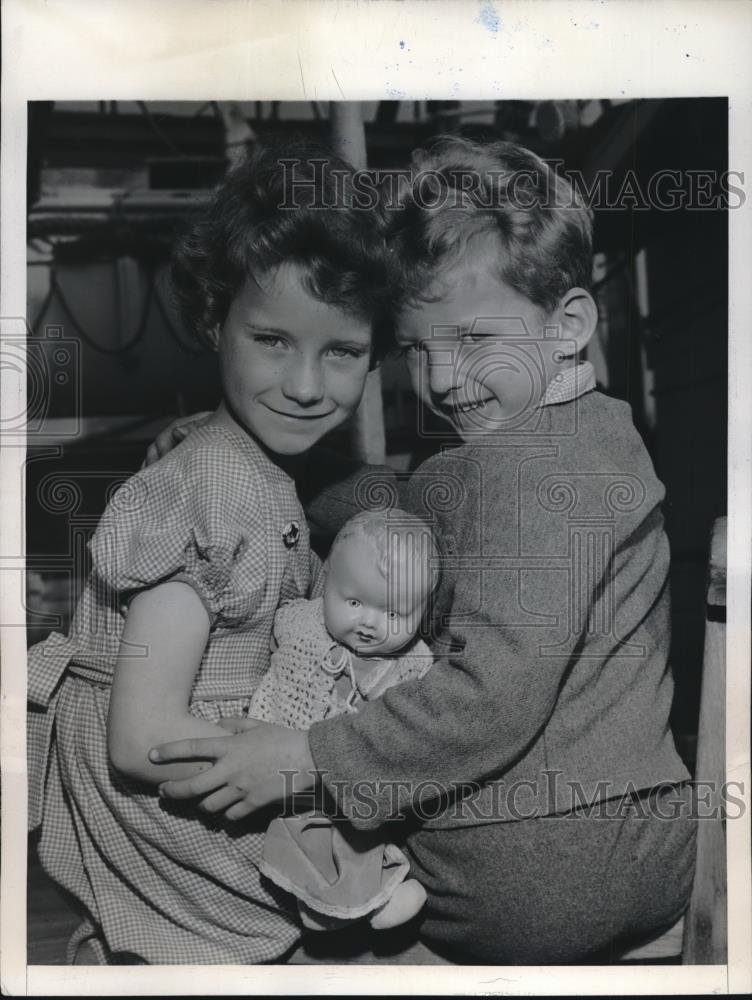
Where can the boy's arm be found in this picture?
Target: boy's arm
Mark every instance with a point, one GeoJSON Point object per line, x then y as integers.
{"type": "Point", "coordinates": [333, 488]}
{"type": "Point", "coordinates": [165, 635]}
{"type": "Point", "coordinates": [172, 435]}
{"type": "Point", "coordinates": [484, 704]}
{"type": "Point", "coordinates": [470, 717]}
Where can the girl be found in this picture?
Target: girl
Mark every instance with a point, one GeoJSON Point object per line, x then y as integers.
{"type": "Point", "coordinates": [190, 562]}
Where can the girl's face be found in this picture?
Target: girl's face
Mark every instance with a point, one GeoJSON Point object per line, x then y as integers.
{"type": "Point", "coordinates": [292, 368]}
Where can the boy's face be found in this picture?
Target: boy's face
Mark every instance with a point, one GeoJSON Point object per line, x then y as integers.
{"type": "Point", "coordinates": [481, 354]}
{"type": "Point", "coordinates": [365, 611]}
{"type": "Point", "coordinates": [292, 368]}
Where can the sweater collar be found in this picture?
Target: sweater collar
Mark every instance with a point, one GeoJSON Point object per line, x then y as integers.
{"type": "Point", "coordinates": [569, 384]}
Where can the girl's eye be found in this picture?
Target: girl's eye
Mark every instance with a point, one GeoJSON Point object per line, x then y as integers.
{"type": "Point", "coordinates": [268, 339]}
{"type": "Point", "coordinates": [352, 602]}
{"type": "Point", "coordinates": [393, 616]}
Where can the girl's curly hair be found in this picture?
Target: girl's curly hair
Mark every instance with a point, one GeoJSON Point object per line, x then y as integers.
{"type": "Point", "coordinates": [289, 202]}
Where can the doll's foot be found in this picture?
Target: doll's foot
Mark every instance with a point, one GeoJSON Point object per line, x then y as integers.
{"type": "Point", "coordinates": [407, 900]}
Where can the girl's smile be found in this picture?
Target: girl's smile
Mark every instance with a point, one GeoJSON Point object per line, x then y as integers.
{"type": "Point", "coordinates": [293, 368]}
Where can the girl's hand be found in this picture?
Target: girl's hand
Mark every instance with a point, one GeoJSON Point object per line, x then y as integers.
{"type": "Point", "coordinates": [251, 770]}
{"type": "Point", "coordinates": [172, 435]}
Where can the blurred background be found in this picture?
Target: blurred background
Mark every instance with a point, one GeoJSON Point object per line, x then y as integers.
{"type": "Point", "coordinates": [110, 183]}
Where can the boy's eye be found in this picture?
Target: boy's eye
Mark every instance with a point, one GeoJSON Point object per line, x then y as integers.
{"type": "Point", "coordinates": [408, 350]}
{"type": "Point", "coordinates": [477, 337]}
{"type": "Point", "coordinates": [347, 352]}
{"type": "Point", "coordinates": [352, 602]}
{"type": "Point", "coordinates": [393, 616]}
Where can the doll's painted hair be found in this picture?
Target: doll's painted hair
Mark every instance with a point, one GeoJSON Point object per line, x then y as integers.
{"type": "Point", "coordinates": [396, 537]}
{"type": "Point", "coordinates": [461, 189]}
{"type": "Point", "coordinates": [288, 202]}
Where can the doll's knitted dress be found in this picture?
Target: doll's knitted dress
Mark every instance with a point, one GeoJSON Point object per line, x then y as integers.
{"type": "Point", "coordinates": [333, 869]}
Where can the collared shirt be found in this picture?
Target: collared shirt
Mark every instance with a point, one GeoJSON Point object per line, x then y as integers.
{"type": "Point", "coordinates": [569, 384]}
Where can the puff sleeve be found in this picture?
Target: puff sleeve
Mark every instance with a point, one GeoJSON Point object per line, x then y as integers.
{"type": "Point", "coordinates": [192, 521]}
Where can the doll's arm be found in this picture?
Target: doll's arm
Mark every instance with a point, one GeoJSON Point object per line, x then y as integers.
{"type": "Point", "coordinates": [165, 635]}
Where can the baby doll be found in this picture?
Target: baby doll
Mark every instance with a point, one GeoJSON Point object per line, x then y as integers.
{"type": "Point", "coordinates": [331, 655]}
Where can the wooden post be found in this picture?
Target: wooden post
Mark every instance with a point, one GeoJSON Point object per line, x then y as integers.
{"type": "Point", "coordinates": [705, 925]}
{"type": "Point", "coordinates": [349, 142]}
{"type": "Point", "coordinates": [238, 133]}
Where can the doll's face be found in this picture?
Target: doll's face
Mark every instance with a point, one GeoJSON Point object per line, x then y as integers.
{"type": "Point", "coordinates": [371, 614]}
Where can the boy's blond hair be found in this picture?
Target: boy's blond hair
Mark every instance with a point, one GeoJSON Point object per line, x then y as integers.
{"type": "Point", "coordinates": [461, 189]}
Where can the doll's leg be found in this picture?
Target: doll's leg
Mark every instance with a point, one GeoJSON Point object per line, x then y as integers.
{"type": "Point", "coordinates": [339, 873]}
{"type": "Point", "coordinates": [406, 902]}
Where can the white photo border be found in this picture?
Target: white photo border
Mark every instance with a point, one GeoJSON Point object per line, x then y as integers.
{"type": "Point", "coordinates": [345, 49]}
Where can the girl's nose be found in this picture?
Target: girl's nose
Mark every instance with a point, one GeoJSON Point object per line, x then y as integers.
{"type": "Point", "coordinates": [304, 382]}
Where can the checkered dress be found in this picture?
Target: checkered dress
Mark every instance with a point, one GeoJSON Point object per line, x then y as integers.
{"type": "Point", "coordinates": [159, 879]}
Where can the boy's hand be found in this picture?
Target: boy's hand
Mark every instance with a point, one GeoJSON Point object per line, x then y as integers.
{"type": "Point", "coordinates": [172, 435]}
{"type": "Point", "coordinates": [247, 771]}
{"type": "Point", "coordinates": [237, 723]}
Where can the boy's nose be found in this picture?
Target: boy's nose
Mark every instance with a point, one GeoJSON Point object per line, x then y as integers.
{"type": "Point", "coordinates": [304, 382]}
{"type": "Point", "coordinates": [442, 371]}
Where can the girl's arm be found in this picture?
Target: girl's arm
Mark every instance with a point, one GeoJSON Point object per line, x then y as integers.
{"type": "Point", "coordinates": [165, 635]}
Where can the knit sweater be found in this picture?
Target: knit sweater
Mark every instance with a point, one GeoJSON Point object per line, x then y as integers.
{"type": "Point", "coordinates": [551, 684]}
{"type": "Point", "coordinates": [300, 686]}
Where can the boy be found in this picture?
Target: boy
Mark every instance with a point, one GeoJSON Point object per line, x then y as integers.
{"type": "Point", "coordinates": [537, 751]}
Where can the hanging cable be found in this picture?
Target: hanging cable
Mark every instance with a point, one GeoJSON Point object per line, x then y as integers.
{"type": "Point", "coordinates": [171, 329]}
{"type": "Point", "coordinates": [152, 295]}
{"type": "Point", "coordinates": [42, 311]}
{"type": "Point", "coordinates": [86, 337]}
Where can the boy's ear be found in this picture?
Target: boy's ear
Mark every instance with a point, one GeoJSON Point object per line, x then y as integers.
{"type": "Point", "coordinates": [578, 318]}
